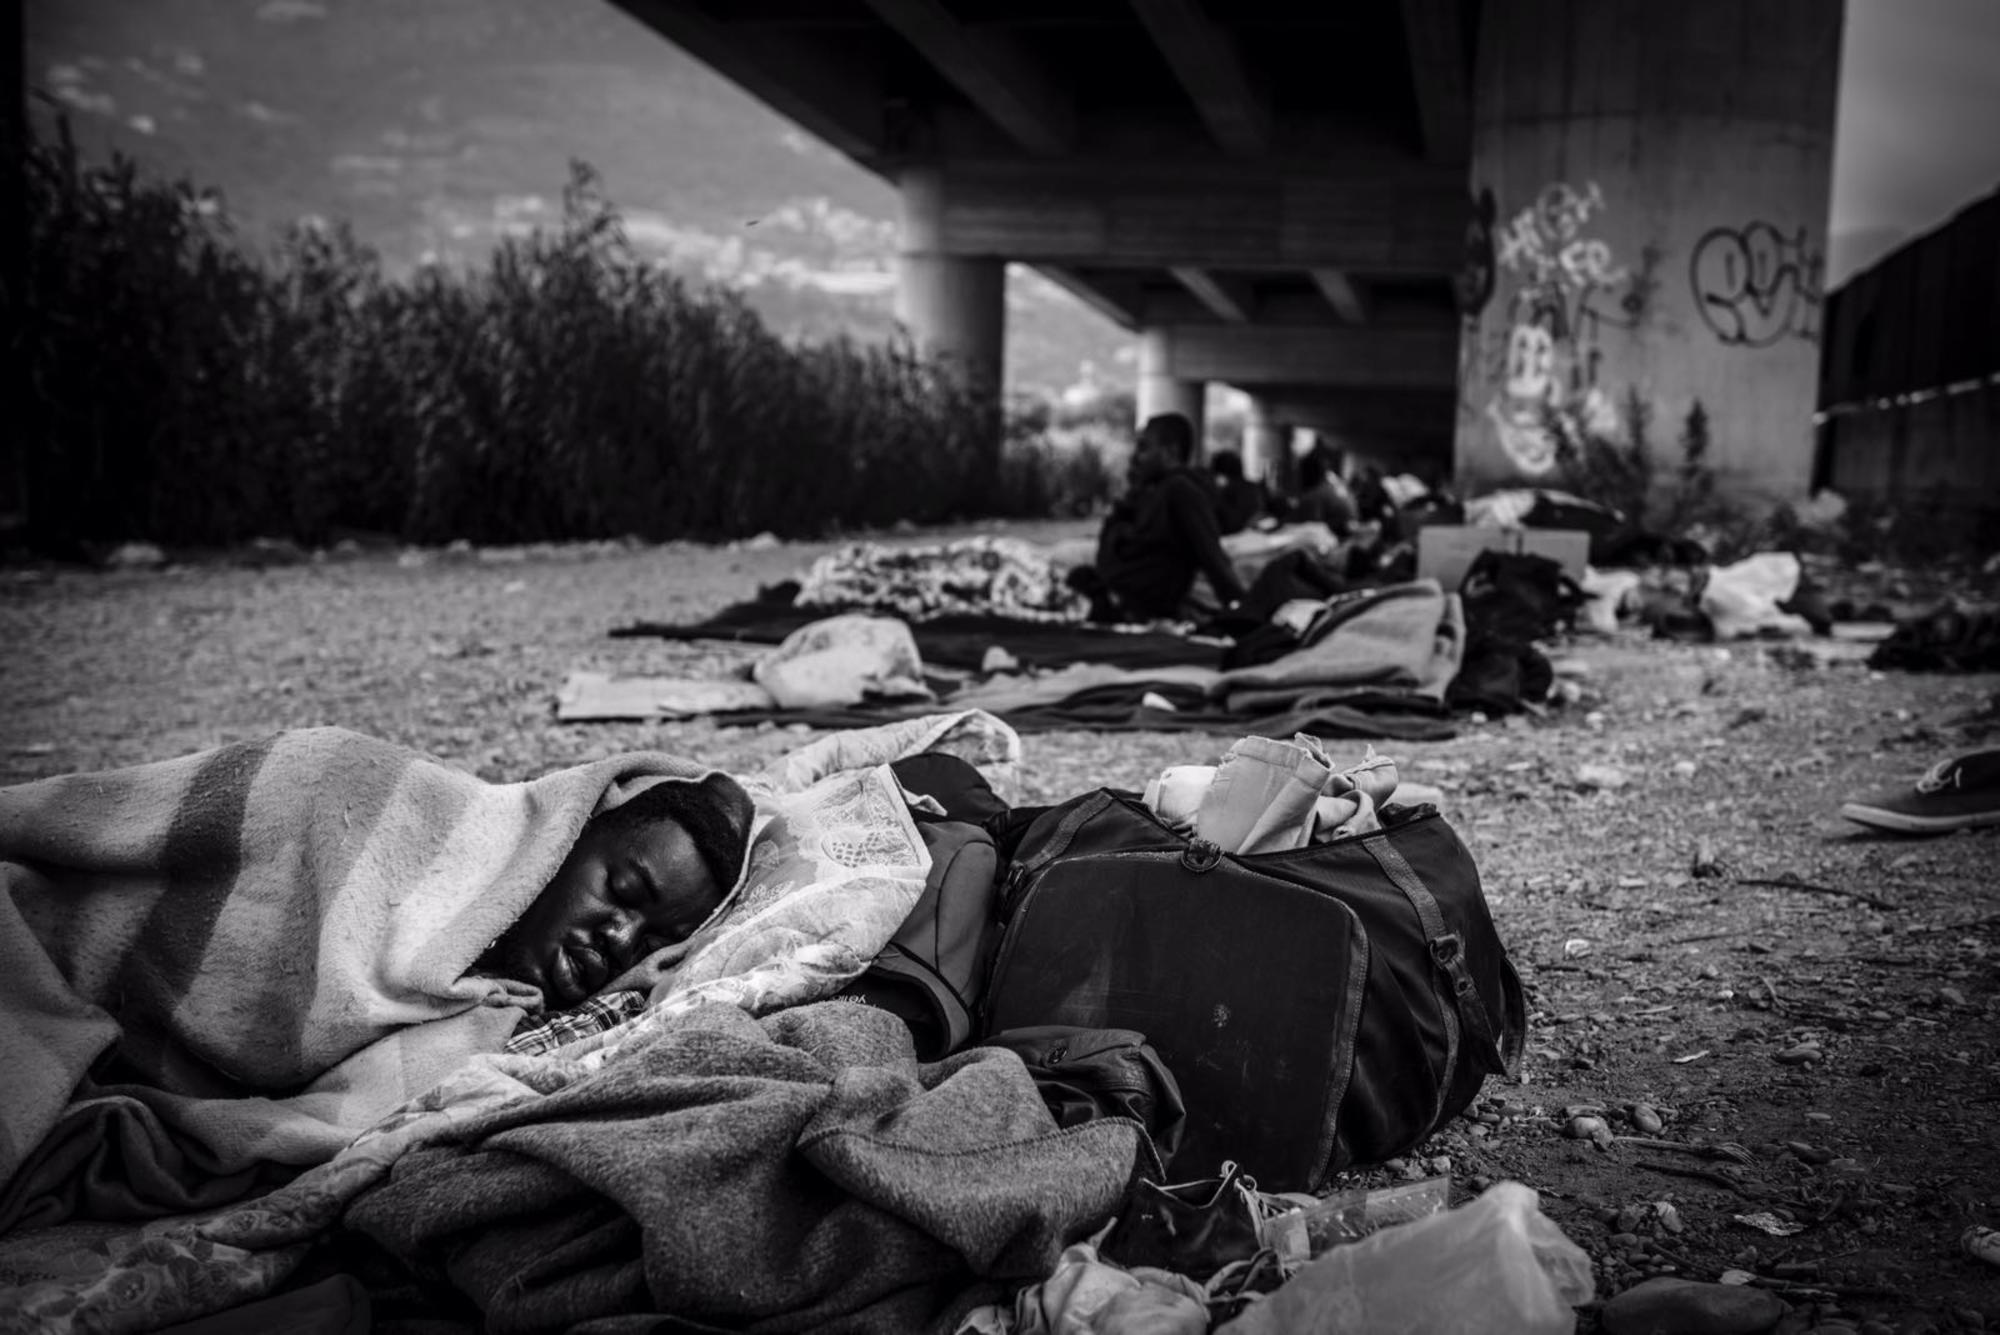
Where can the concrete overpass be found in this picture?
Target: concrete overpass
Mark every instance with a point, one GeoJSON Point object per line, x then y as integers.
{"type": "Point", "coordinates": [1436, 229]}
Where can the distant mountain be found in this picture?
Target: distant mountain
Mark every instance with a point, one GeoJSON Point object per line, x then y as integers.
{"type": "Point", "coordinates": [436, 126]}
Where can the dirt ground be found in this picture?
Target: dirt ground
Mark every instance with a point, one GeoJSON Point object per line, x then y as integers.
{"type": "Point", "coordinates": [1838, 1032]}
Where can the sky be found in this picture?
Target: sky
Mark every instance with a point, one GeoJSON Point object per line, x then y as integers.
{"type": "Point", "coordinates": [1918, 129]}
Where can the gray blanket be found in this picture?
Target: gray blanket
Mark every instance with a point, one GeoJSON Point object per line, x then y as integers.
{"type": "Point", "coordinates": [802, 1172]}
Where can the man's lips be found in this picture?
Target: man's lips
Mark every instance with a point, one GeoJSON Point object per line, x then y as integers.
{"type": "Point", "coordinates": [578, 971]}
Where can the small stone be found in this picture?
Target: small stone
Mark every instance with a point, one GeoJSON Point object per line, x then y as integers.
{"type": "Point", "coordinates": [1586, 1128]}
{"type": "Point", "coordinates": [1686, 1307]}
{"type": "Point", "coordinates": [1685, 768]}
{"type": "Point", "coordinates": [1970, 1317]}
{"type": "Point", "coordinates": [1669, 1217]}
{"type": "Point", "coordinates": [136, 556]}
{"type": "Point", "coordinates": [1877, 1328]}
{"type": "Point", "coordinates": [1803, 1055]}
{"type": "Point", "coordinates": [1646, 1121]}
{"type": "Point", "coordinates": [1951, 996]}
{"type": "Point", "coordinates": [1600, 776]}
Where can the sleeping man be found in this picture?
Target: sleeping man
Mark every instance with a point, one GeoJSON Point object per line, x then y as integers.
{"type": "Point", "coordinates": [242, 958]}
{"type": "Point", "coordinates": [641, 876]}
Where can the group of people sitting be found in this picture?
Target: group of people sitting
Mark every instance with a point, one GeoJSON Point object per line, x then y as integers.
{"type": "Point", "coordinates": [1167, 530]}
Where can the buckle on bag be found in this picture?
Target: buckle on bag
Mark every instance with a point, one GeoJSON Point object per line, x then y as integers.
{"type": "Point", "coordinates": [1444, 949]}
{"type": "Point", "coordinates": [1201, 855]}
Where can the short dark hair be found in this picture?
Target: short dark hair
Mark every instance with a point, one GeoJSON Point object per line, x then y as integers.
{"type": "Point", "coordinates": [1312, 471]}
{"type": "Point", "coordinates": [715, 812]}
{"type": "Point", "coordinates": [1172, 430]}
{"type": "Point", "coordinates": [1228, 463]}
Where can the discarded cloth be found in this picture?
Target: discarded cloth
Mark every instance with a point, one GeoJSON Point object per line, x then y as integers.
{"type": "Point", "coordinates": [800, 1173]}
{"type": "Point", "coordinates": [1742, 600]}
{"type": "Point", "coordinates": [247, 955]}
{"type": "Point", "coordinates": [1002, 576]}
{"type": "Point", "coordinates": [1086, 1295]}
{"type": "Point", "coordinates": [843, 660]}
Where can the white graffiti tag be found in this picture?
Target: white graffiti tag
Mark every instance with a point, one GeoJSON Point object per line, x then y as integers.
{"type": "Point", "coordinates": [1562, 280]}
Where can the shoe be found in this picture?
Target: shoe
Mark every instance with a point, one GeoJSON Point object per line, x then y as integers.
{"type": "Point", "coordinates": [1955, 795]}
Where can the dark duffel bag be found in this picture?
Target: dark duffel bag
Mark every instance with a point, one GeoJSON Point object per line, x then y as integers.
{"type": "Point", "coordinates": [1331, 1005]}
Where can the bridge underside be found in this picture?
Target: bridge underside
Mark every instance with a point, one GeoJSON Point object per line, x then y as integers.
{"type": "Point", "coordinates": [1427, 227]}
{"type": "Point", "coordinates": [1273, 194]}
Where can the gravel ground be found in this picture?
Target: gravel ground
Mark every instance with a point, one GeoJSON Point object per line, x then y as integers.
{"type": "Point", "coordinates": [1840, 1029]}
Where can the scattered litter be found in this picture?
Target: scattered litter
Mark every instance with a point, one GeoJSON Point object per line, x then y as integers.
{"type": "Point", "coordinates": [1691, 1057]}
{"type": "Point", "coordinates": [1600, 776]}
{"type": "Point", "coordinates": [1766, 1222]}
{"type": "Point", "coordinates": [1981, 1243]}
{"type": "Point", "coordinates": [1575, 948]}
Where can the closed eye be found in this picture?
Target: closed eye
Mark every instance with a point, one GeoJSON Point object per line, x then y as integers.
{"type": "Point", "coordinates": [629, 889]}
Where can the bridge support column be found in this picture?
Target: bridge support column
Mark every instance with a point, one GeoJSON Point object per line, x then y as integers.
{"type": "Point", "coordinates": [955, 306]}
{"type": "Point", "coordinates": [1267, 444]}
{"type": "Point", "coordinates": [1161, 391]}
{"type": "Point", "coordinates": [1649, 197]}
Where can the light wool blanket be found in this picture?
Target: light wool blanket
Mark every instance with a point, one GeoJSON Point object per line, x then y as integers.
{"type": "Point", "coordinates": [251, 954]}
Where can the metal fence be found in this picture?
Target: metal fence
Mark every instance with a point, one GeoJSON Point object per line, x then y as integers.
{"type": "Point", "coordinates": [1910, 373]}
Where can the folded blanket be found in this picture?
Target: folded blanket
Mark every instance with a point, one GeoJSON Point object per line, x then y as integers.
{"type": "Point", "coordinates": [248, 955]}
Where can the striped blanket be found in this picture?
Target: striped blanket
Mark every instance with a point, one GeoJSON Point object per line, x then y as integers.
{"type": "Point", "coordinates": [246, 956]}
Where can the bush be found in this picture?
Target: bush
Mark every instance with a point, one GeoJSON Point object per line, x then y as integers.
{"type": "Point", "coordinates": [186, 391]}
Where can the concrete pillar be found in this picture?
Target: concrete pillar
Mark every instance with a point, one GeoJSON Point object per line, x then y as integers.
{"type": "Point", "coordinates": [1267, 443]}
{"type": "Point", "coordinates": [1649, 196]}
{"type": "Point", "coordinates": [955, 306]}
{"type": "Point", "coordinates": [1160, 391]}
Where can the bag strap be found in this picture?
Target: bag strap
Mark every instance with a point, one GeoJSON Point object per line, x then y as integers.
{"type": "Point", "coordinates": [1021, 871]}
{"type": "Point", "coordinates": [1446, 948]}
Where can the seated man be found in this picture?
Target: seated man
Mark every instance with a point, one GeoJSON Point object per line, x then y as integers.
{"type": "Point", "coordinates": [1239, 502]}
{"type": "Point", "coordinates": [640, 877]}
{"type": "Point", "coordinates": [1322, 497]}
{"type": "Point", "coordinates": [1163, 533]}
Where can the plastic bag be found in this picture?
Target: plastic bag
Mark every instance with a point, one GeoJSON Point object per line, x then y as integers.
{"type": "Point", "coordinates": [1498, 1266]}
{"type": "Point", "coordinates": [841, 661]}
{"type": "Point", "coordinates": [1742, 599]}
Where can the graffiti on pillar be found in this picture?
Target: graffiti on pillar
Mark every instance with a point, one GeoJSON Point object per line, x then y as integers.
{"type": "Point", "coordinates": [1754, 285]}
{"type": "Point", "coordinates": [1567, 289]}
{"type": "Point", "coordinates": [1476, 275]}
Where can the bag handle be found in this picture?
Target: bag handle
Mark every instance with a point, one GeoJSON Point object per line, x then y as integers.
{"type": "Point", "coordinates": [1446, 948]}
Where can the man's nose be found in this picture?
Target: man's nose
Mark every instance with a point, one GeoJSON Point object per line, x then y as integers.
{"type": "Point", "coordinates": [619, 937]}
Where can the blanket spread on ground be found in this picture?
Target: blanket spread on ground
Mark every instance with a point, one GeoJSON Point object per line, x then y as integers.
{"type": "Point", "coordinates": [249, 955]}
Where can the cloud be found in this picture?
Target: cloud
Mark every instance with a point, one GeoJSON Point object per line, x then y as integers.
{"type": "Point", "coordinates": [290, 11]}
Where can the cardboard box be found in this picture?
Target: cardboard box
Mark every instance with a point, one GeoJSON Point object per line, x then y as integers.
{"type": "Point", "coordinates": [1446, 551]}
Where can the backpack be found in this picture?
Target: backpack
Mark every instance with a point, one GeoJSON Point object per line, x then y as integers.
{"type": "Point", "coordinates": [933, 971]}
{"type": "Point", "coordinates": [1319, 1007]}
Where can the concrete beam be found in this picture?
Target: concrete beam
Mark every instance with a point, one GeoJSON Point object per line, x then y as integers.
{"type": "Point", "coordinates": [1204, 57]}
{"type": "Point", "coordinates": [1368, 216]}
{"type": "Point", "coordinates": [1341, 294]}
{"type": "Point", "coordinates": [1365, 412]}
{"type": "Point", "coordinates": [1250, 355]}
{"type": "Point", "coordinates": [1121, 302]}
{"type": "Point", "coordinates": [1434, 31]}
{"type": "Point", "coordinates": [836, 103]}
{"type": "Point", "coordinates": [1230, 302]}
{"type": "Point", "coordinates": [995, 75]}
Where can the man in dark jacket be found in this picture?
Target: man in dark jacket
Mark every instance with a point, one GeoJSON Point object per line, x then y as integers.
{"type": "Point", "coordinates": [1163, 533]}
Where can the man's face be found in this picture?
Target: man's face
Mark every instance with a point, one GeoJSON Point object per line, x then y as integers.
{"type": "Point", "coordinates": [616, 899]}
{"type": "Point", "coordinates": [1151, 460]}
